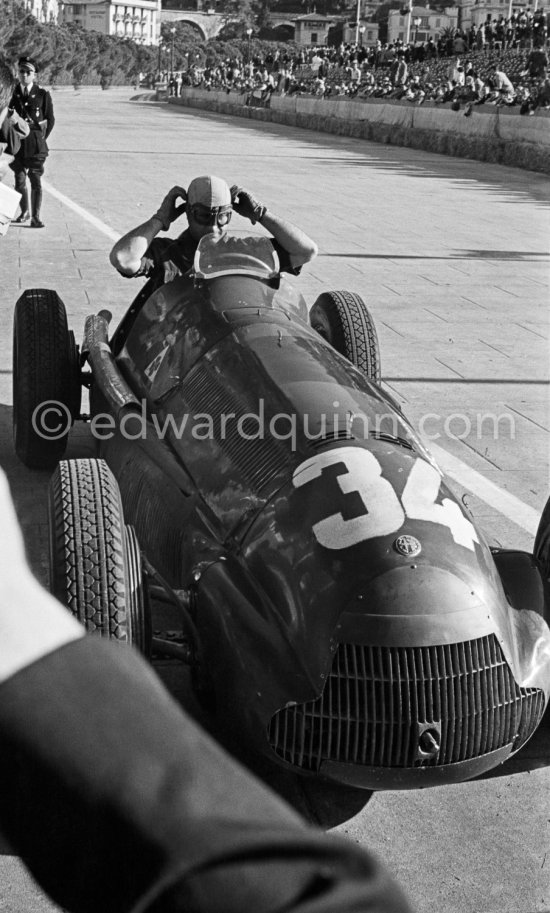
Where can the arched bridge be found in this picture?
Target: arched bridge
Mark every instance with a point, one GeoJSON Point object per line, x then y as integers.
{"type": "Point", "coordinates": [209, 24]}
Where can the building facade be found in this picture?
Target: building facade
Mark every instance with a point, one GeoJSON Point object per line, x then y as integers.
{"type": "Point", "coordinates": [474, 12]}
{"type": "Point", "coordinates": [424, 23]}
{"type": "Point", "coordinates": [312, 30]}
{"type": "Point", "coordinates": [139, 20]}
{"type": "Point", "coordinates": [367, 35]}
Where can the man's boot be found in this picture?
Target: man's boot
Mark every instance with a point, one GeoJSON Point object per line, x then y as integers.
{"type": "Point", "coordinates": [24, 204]}
{"type": "Point", "coordinates": [36, 203]}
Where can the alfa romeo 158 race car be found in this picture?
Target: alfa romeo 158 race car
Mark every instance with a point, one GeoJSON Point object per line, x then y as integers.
{"type": "Point", "coordinates": [339, 607]}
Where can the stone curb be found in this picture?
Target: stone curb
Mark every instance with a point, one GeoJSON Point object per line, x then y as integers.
{"type": "Point", "coordinates": [491, 136]}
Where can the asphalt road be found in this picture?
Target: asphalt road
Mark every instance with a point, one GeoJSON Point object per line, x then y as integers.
{"type": "Point", "coordinates": [452, 258]}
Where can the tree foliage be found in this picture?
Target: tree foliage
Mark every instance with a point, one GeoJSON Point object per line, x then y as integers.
{"type": "Point", "coordinates": [69, 54]}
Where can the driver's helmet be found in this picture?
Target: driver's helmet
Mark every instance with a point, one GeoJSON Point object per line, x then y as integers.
{"type": "Point", "coordinates": [209, 198]}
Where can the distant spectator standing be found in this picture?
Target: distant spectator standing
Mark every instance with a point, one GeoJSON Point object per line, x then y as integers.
{"type": "Point", "coordinates": [459, 44]}
{"type": "Point", "coordinates": [399, 70]}
{"type": "Point", "coordinates": [316, 62]}
{"type": "Point", "coordinates": [455, 73]}
{"type": "Point", "coordinates": [355, 75]}
{"type": "Point", "coordinates": [480, 37]}
{"type": "Point", "coordinates": [540, 29]}
{"type": "Point", "coordinates": [537, 62]}
{"type": "Point", "coordinates": [34, 105]}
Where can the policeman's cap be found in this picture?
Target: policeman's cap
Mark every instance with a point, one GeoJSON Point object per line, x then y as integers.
{"type": "Point", "coordinates": [27, 63]}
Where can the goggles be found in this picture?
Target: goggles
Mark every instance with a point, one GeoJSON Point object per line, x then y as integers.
{"type": "Point", "coordinates": [204, 216]}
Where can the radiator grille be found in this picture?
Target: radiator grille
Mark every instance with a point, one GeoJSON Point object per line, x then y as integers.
{"type": "Point", "coordinates": [259, 460]}
{"type": "Point", "coordinates": [377, 699]}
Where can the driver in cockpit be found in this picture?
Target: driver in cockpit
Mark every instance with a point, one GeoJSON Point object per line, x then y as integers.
{"type": "Point", "coordinates": [208, 204]}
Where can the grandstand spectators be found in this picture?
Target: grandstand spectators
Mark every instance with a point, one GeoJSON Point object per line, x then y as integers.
{"type": "Point", "coordinates": [505, 64]}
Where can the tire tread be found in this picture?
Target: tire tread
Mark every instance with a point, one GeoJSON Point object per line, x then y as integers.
{"type": "Point", "coordinates": [88, 546]}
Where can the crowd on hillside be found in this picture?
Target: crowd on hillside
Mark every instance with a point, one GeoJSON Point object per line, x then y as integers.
{"type": "Point", "coordinates": [502, 63]}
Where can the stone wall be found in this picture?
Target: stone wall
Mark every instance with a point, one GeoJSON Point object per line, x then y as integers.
{"type": "Point", "coordinates": [489, 134]}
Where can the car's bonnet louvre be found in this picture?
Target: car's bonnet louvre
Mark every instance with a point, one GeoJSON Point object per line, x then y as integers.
{"type": "Point", "coordinates": [259, 458]}
{"type": "Point", "coordinates": [378, 699]}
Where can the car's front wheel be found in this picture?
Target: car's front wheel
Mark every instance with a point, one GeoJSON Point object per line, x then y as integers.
{"type": "Point", "coordinates": [46, 378]}
{"type": "Point", "coordinates": [95, 561]}
{"type": "Point", "coordinates": [343, 319]}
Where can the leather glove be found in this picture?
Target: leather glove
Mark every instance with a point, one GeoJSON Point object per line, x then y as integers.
{"type": "Point", "coordinates": [168, 211]}
{"type": "Point", "coordinates": [245, 204]}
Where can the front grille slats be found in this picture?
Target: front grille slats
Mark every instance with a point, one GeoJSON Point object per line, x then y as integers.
{"type": "Point", "coordinates": [259, 459]}
{"type": "Point", "coordinates": [378, 701]}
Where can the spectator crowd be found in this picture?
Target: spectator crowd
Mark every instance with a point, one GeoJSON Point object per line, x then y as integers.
{"type": "Point", "coordinates": [502, 62]}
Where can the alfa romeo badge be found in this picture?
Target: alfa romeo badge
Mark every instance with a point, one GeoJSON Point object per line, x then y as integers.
{"type": "Point", "coordinates": [407, 545]}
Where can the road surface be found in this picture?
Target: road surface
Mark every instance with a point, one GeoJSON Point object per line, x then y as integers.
{"type": "Point", "coordinates": [452, 258]}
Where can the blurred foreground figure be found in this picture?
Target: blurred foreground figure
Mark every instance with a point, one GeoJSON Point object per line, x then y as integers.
{"type": "Point", "coordinates": [13, 130]}
{"type": "Point", "coordinates": [117, 801]}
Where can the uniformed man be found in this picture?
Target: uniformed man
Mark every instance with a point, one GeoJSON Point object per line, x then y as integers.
{"type": "Point", "coordinates": [34, 105]}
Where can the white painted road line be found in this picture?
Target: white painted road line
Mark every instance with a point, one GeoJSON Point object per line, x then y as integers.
{"type": "Point", "coordinates": [80, 211]}
{"type": "Point", "coordinates": [506, 504]}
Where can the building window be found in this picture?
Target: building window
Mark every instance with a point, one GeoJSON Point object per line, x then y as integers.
{"type": "Point", "coordinates": [314, 37]}
{"type": "Point", "coordinates": [438, 23]}
{"type": "Point", "coordinates": [369, 36]}
{"type": "Point", "coordinates": [401, 36]}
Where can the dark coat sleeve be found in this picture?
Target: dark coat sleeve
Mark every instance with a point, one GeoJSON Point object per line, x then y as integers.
{"type": "Point", "coordinates": [47, 113]}
{"type": "Point", "coordinates": [117, 801]}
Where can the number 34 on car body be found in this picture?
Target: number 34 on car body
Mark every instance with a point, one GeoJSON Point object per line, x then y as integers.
{"type": "Point", "coordinates": [385, 512]}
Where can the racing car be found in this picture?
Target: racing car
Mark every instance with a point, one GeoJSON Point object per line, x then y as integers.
{"type": "Point", "coordinates": [339, 608]}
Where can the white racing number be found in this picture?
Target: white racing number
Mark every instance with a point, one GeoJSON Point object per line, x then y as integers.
{"type": "Point", "coordinates": [384, 512]}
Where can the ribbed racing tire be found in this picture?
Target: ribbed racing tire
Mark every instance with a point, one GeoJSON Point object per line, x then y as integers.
{"type": "Point", "coordinates": [95, 563]}
{"type": "Point", "coordinates": [46, 383]}
{"type": "Point", "coordinates": [343, 319]}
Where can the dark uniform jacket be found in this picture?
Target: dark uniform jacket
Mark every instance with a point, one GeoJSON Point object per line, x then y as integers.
{"type": "Point", "coordinates": [37, 110]}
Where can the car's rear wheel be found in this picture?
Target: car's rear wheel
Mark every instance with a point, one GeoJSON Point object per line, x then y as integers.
{"type": "Point", "coordinates": [343, 319]}
{"type": "Point", "coordinates": [541, 549]}
{"type": "Point", "coordinates": [95, 561]}
{"type": "Point", "coordinates": [46, 378]}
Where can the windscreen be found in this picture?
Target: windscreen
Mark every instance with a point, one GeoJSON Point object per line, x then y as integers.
{"type": "Point", "coordinates": [227, 255]}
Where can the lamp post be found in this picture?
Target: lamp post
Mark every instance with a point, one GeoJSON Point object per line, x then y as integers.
{"type": "Point", "coordinates": [357, 22]}
{"type": "Point", "coordinates": [361, 33]}
{"type": "Point", "coordinates": [417, 22]}
{"type": "Point", "coordinates": [409, 15]}
{"type": "Point", "coordinates": [172, 32]}
{"type": "Point", "coordinates": [160, 50]}
{"type": "Point", "coordinates": [248, 34]}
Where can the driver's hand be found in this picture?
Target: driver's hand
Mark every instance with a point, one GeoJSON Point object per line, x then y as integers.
{"type": "Point", "coordinates": [169, 210]}
{"type": "Point", "coordinates": [246, 205]}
